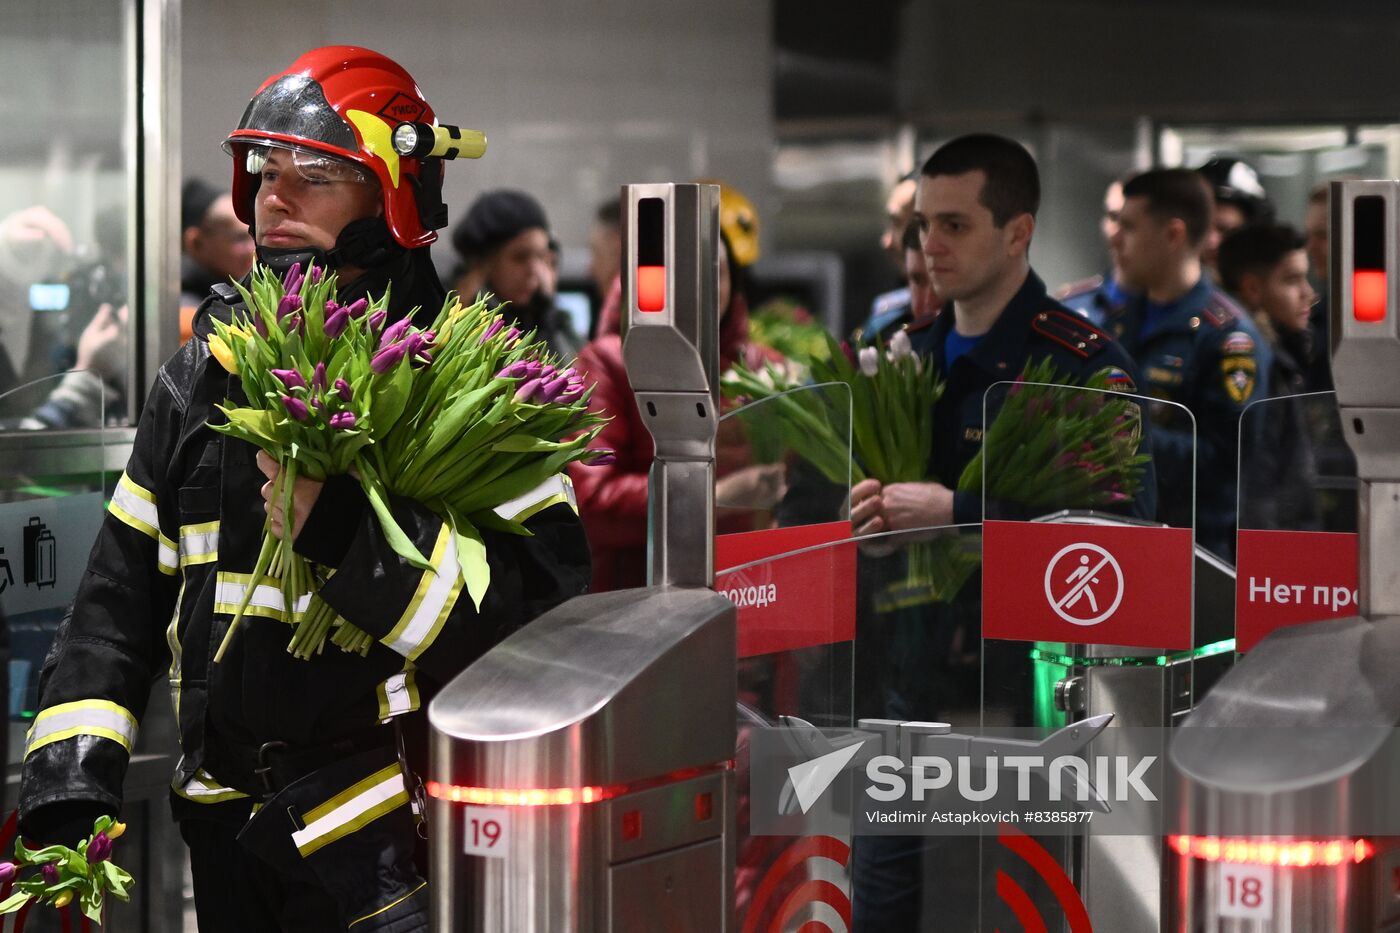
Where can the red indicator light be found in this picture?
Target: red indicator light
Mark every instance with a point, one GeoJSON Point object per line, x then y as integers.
{"type": "Point", "coordinates": [632, 825]}
{"type": "Point", "coordinates": [651, 288]}
{"type": "Point", "coordinates": [562, 796]}
{"type": "Point", "coordinates": [1290, 853]}
{"type": "Point", "coordinates": [1368, 295]}
{"type": "Point", "coordinates": [704, 807]}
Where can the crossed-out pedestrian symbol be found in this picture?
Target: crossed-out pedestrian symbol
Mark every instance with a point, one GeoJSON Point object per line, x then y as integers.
{"type": "Point", "coordinates": [1083, 584]}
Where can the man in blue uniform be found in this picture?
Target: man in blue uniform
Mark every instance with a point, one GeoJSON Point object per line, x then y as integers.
{"type": "Point", "coordinates": [890, 310]}
{"type": "Point", "coordinates": [975, 207]}
{"type": "Point", "coordinates": [1194, 346]}
{"type": "Point", "coordinates": [1097, 295]}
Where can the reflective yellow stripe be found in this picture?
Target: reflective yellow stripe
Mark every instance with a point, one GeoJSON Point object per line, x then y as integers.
{"type": "Point", "coordinates": [432, 602]}
{"type": "Point", "coordinates": [135, 506]}
{"type": "Point", "coordinates": [556, 490]}
{"type": "Point", "coordinates": [398, 695]}
{"type": "Point", "coordinates": [388, 906]}
{"type": "Point", "coordinates": [101, 718]}
{"type": "Point", "coordinates": [267, 598]}
{"type": "Point", "coordinates": [352, 809]}
{"type": "Point", "coordinates": [199, 544]}
{"type": "Point", "coordinates": [172, 639]}
{"type": "Point", "coordinates": [202, 788]}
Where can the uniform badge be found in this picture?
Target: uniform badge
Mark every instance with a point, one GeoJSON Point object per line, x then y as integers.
{"type": "Point", "coordinates": [1237, 343]}
{"type": "Point", "coordinates": [1118, 380]}
{"type": "Point", "coordinates": [1238, 372]}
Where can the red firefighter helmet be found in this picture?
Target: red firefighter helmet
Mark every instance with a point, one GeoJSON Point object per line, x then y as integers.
{"type": "Point", "coordinates": [345, 102]}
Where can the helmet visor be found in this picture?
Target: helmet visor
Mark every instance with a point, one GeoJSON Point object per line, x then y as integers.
{"type": "Point", "coordinates": [295, 105]}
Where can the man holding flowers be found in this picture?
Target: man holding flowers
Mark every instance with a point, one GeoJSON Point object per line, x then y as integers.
{"type": "Point", "coordinates": [279, 748]}
{"type": "Point", "coordinates": [975, 208]}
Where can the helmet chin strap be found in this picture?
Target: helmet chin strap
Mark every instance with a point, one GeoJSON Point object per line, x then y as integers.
{"type": "Point", "coordinates": [364, 244]}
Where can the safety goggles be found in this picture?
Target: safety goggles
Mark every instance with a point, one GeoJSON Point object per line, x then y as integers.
{"type": "Point", "coordinates": [308, 164]}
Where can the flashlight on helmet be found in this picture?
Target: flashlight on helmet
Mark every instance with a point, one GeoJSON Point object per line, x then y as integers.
{"type": "Point", "coordinates": [441, 141]}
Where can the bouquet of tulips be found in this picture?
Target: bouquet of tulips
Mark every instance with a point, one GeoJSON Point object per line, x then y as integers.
{"type": "Point", "coordinates": [461, 416]}
{"type": "Point", "coordinates": [887, 388]}
{"type": "Point", "coordinates": [86, 874]}
{"type": "Point", "coordinates": [1060, 445]}
{"type": "Point", "coordinates": [1052, 444]}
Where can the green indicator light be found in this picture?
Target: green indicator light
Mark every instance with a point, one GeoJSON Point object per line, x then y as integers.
{"type": "Point", "coordinates": [1161, 660]}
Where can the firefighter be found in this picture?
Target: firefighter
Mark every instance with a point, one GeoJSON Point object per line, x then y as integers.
{"type": "Point", "coordinates": [296, 790]}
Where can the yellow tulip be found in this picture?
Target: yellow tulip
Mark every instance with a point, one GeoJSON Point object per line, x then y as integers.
{"type": "Point", "coordinates": [115, 830]}
{"type": "Point", "coordinates": [222, 353]}
{"type": "Point", "coordinates": [63, 899]}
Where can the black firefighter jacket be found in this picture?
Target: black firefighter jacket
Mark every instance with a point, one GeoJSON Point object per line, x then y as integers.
{"type": "Point", "coordinates": [171, 562]}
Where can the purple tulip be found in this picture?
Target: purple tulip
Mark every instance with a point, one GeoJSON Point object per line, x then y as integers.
{"type": "Point", "coordinates": [1118, 497]}
{"type": "Point", "coordinates": [551, 390]}
{"type": "Point", "coordinates": [605, 458]}
{"type": "Point", "coordinates": [287, 305]}
{"type": "Point", "coordinates": [527, 389]}
{"type": "Point", "coordinates": [318, 378]}
{"type": "Point", "coordinates": [394, 332]}
{"type": "Point", "coordinates": [513, 371]}
{"type": "Point", "coordinates": [387, 359]}
{"type": "Point", "coordinates": [571, 392]}
{"type": "Point", "coordinates": [336, 322]}
{"type": "Point", "coordinates": [343, 421]}
{"type": "Point", "coordinates": [100, 849]}
{"type": "Point", "coordinates": [260, 325]}
{"type": "Point", "coordinates": [296, 408]}
{"type": "Point", "coordinates": [314, 273]}
{"type": "Point", "coordinates": [50, 873]}
{"type": "Point", "coordinates": [512, 336]}
{"type": "Point", "coordinates": [496, 327]}
{"type": "Point", "coordinates": [292, 275]}
{"type": "Point", "coordinates": [8, 870]}
{"type": "Point", "coordinates": [343, 389]}
{"type": "Point", "coordinates": [317, 404]}
{"type": "Point", "coordinates": [358, 306]}
{"type": "Point", "coordinates": [291, 378]}
{"type": "Point", "coordinates": [376, 320]}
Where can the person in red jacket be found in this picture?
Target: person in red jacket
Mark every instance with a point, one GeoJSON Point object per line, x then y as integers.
{"type": "Point", "coordinates": [612, 499]}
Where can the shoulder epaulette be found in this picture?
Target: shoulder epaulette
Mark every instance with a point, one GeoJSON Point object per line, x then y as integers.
{"type": "Point", "coordinates": [1221, 310]}
{"type": "Point", "coordinates": [1071, 331]}
{"type": "Point", "coordinates": [1080, 287]}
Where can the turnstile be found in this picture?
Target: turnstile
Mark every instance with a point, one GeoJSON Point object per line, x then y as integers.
{"type": "Point", "coordinates": [582, 771]}
{"type": "Point", "coordinates": [1288, 767]}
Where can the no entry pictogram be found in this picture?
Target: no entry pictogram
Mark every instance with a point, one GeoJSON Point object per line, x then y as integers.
{"type": "Point", "coordinates": [1083, 583]}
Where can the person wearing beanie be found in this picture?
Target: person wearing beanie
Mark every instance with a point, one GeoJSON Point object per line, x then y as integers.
{"type": "Point", "coordinates": [214, 246]}
{"type": "Point", "coordinates": [507, 252]}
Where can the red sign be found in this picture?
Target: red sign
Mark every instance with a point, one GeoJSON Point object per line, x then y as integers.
{"type": "Point", "coordinates": [1088, 584]}
{"type": "Point", "coordinates": [1288, 577]}
{"type": "Point", "coordinates": [795, 600]}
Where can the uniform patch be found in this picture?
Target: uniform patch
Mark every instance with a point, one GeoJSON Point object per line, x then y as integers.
{"type": "Point", "coordinates": [1118, 380]}
{"type": "Point", "coordinates": [1238, 373]}
{"type": "Point", "coordinates": [1237, 343]}
{"type": "Point", "coordinates": [1163, 375]}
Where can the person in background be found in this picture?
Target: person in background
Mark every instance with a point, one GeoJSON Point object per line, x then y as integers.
{"type": "Point", "coordinates": [612, 498]}
{"type": "Point", "coordinates": [1238, 199]}
{"type": "Point", "coordinates": [215, 246]}
{"type": "Point", "coordinates": [1195, 347]}
{"type": "Point", "coordinates": [1265, 266]}
{"type": "Point", "coordinates": [1315, 232]}
{"type": "Point", "coordinates": [1097, 295]}
{"type": "Point", "coordinates": [507, 252]}
{"type": "Point", "coordinates": [890, 310]}
{"type": "Point", "coordinates": [605, 254]}
{"type": "Point", "coordinates": [924, 303]}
